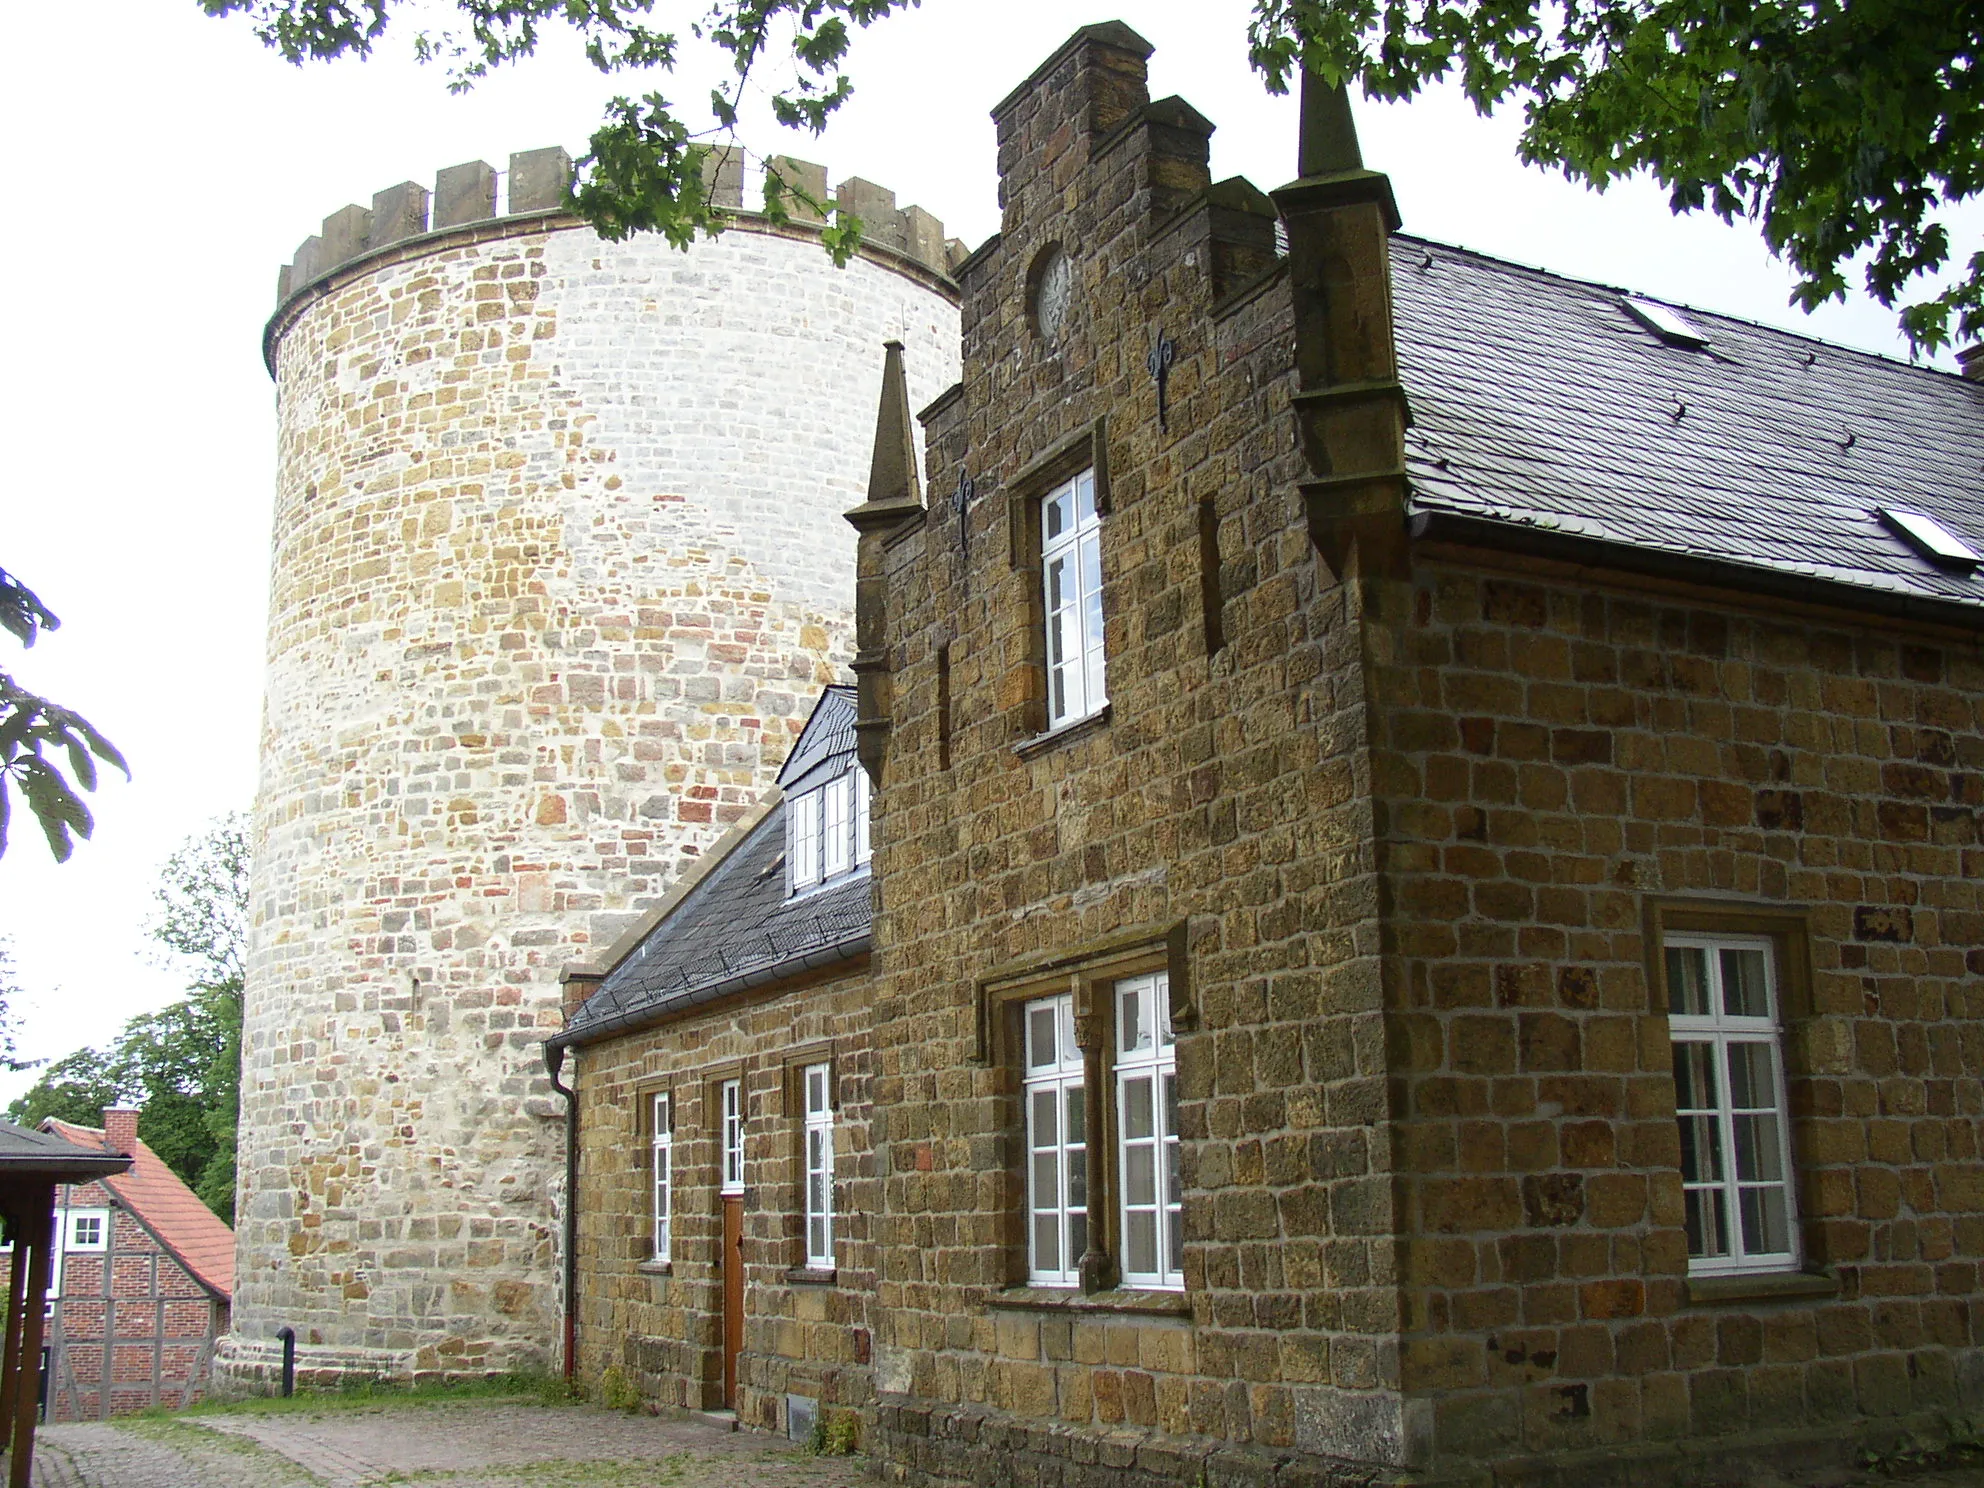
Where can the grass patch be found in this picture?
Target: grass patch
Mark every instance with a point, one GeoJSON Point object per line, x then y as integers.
{"type": "Point", "coordinates": [376, 1394]}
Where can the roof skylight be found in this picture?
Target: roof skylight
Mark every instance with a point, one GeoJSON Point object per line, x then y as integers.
{"type": "Point", "coordinates": [1664, 323]}
{"type": "Point", "coordinates": [1930, 538]}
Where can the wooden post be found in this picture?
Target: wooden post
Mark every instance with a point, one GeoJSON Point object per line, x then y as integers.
{"type": "Point", "coordinates": [10, 1349]}
{"type": "Point", "coordinates": [36, 1225]}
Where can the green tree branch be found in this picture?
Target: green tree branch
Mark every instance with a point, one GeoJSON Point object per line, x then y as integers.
{"type": "Point", "coordinates": [1841, 129]}
{"type": "Point", "coordinates": [39, 738]}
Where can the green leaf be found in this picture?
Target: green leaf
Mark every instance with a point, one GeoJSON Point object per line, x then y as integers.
{"type": "Point", "coordinates": [28, 725]}
{"type": "Point", "coordinates": [1845, 132]}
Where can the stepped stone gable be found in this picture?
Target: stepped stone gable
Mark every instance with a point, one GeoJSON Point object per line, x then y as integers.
{"type": "Point", "coordinates": [1219, 821]}
{"type": "Point", "coordinates": [1423, 747]}
{"type": "Point", "coordinates": [557, 572]}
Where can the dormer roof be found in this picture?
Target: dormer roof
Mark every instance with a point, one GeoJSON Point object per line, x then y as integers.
{"type": "Point", "coordinates": [826, 744]}
{"type": "Point", "coordinates": [735, 929]}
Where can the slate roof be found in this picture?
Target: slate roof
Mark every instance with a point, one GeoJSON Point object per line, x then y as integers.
{"type": "Point", "coordinates": [197, 1237]}
{"type": "Point", "coordinates": [735, 928]}
{"type": "Point", "coordinates": [1538, 401]}
{"type": "Point", "coordinates": [827, 739]}
{"type": "Point", "coordinates": [25, 1152]}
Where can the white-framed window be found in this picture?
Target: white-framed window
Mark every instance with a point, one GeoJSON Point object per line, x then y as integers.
{"type": "Point", "coordinates": [1152, 1240]}
{"type": "Point", "coordinates": [802, 841]}
{"type": "Point", "coordinates": [864, 849]}
{"type": "Point", "coordinates": [837, 826]}
{"type": "Point", "coordinates": [819, 1139]}
{"type": "Point", "coordinates": [661, 1142]}
{"type": "Point", "coordinates": [733, 1136]}
{"type": "Point", "coordinates": [1071, 589]}
{"type": "Point", "coordinates": [58, 1233]}
{"type": "Point", "coordinates": [1056, 1143]}
{"type": "Point", "coordinates": [88, 1229]}
{"type": "Point", "coordinates": [826, 835]}
{"type": "Point", "coordinates": [1722, 1000]}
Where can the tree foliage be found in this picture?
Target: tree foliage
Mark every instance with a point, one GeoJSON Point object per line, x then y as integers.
{"type": "Point", "coordinates": [646, 169]}
{"type": "Point", "coordinates": [180, 1066]}
{"type": "Point", "coordinates": [38, 738]}
{"type": "Point", "coordinates": [1843, 128]}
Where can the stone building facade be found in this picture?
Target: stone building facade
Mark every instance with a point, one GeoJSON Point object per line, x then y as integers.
{"type": "Point", "coordinates": [557, 571]}
{"type": "Point", "coordinates": [744, 981]}
{"type": "Point", "coordinates": [1528, 742]}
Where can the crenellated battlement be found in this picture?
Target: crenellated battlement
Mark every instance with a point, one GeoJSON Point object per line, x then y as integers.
{"type": "Point", "coordinates": [536, 185]}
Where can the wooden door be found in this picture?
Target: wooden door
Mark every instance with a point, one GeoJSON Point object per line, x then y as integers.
{"type": "Point", "coordinates": [733, 1294]}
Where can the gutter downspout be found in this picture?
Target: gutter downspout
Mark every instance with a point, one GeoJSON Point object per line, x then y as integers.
{"type": "Point", "coordinates": [554, 1062]}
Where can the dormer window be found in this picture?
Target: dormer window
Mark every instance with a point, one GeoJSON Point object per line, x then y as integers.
{"type": "Point", "coordinates": [826, 831]}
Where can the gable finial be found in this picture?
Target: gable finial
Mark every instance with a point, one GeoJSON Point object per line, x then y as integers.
{"type": "Point", "coordinates": [893, 487]}
{"type": "Point", "coordinates": [1329, 135]}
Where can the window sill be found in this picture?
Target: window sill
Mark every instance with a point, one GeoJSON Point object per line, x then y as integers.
{"type": "Point", "coordinates": [1123, 1302]}
{"type": "Point", "coordinates": [811, 1276]}
{"type": "Point", "coordinates": [656, 1268]}
{"type": "Point", "coordinates": [845, 876]}
{"type": "Point", "coordinates": [1079, 728]}
{"type": "Point", "coordinates": [1760, 1286]}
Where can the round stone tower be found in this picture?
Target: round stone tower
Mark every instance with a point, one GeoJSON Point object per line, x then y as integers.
{"type": "Point", "coordinates": [558, 569]}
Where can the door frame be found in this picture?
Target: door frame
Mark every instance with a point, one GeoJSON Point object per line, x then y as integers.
{"type": "Point", "coordinates": [732, 1294]}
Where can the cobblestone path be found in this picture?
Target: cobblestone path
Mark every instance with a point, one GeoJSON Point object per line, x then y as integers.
{"type": "Point", "coordinates": [467, 1445]}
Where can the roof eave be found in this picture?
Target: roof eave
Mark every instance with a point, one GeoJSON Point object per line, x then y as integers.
{"type": "Point", "coordinates": [634, 1019]}
{"type": "Point", "coordinates": [1462, 529]}
{"type": "Point", "coordinates": [137, 1212]}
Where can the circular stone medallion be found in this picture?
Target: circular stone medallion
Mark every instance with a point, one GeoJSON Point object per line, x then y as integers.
{"type": "Point", "coordinates": [1053, 292]}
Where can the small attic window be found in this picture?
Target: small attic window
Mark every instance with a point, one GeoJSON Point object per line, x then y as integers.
{"type": "Point", "coordinates": [1671, 328]}
{"type": "Point", "coordinates": [1930, 538]}
{"type": "Point", "coordinates": [826, 832]}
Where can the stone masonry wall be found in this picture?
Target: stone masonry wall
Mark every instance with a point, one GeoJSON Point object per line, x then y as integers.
{"type": "Point", "coordinates": [663, 1327]}
{"type": "Point", "coordinates": [558, 570]}
{"type": "Point", "coordinates": [1551, 756]}
{"type": "Point", "coordinates": [1221, 804]}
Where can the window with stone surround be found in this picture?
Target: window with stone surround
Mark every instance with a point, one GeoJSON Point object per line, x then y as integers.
{"type": "Point", "coordinates": [1071, 600]}
{"type": "Point", "coordinates": [817, 1080]}
{"type": "Point", "coordinates": [1723, 1010]}
{"type": "Point", "coordinates": [826, 832]}
{"type": "Point", "coordinates": [1055, 511]}
{"type": "Point", "coordinates": [661, 1143]}
{"type": "Point", "coordinates": [1098, 1197]}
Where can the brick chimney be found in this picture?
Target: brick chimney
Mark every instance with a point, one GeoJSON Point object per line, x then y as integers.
{"type": "Point", "coordinates": [120, 1129]}
{"type": "Point", "coordinates": [1971, 360]}
{"type": "Point", "coordinates": [576, 984]}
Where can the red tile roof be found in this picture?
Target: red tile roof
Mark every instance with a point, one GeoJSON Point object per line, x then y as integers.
{"type": "Point", "coordinates": [199, 1238]}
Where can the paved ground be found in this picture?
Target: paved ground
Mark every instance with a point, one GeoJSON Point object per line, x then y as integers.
{"type": "Point", "coordinates": [501, 1444]}
{"type": "Point", "coordinates": [468, 1445]}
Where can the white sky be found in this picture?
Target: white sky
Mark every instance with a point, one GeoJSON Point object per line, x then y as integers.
{"type": "Point", "coordinates": [165, 165]}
